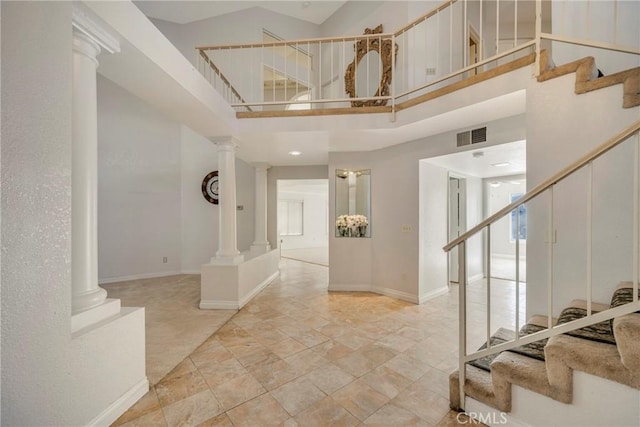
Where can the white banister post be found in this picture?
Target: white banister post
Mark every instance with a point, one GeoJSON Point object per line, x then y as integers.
{"type": "Point", "coordinates": [227, 253]}
{"type": "Point", "coordinates": [88, 39]}
{"type": "Point", "coordinates": [260, 244]}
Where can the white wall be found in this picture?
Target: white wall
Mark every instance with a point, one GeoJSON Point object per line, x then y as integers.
{"type": "Point", "coordinates": [432, 261]}
{"type": "Point", "coordinates": [245, 197]}
{"type": "Point", "coordinates": [395, 206]}
{"type": "Point", "coordinates": [48, 376]}
{"type": "Point", "coordinates": [475, 214]}
{"type": "Point", "coordinates": [561, 127]}
{"type": "Point", "coordinates": [199, 219]}
{"type": "Point", "coordinates": [496, 199]}
{"type": "Point", "coordinates": [314, 220]}
{"type": "Point", "coordinates": [350, 259]}
{"type": "Point", "coordinates": [598, 21]}
{"type": "Point", "coordinates": [354, 16]}
{"type": "Point", "coordinates": [138, 187]}
{"type": "Point", "coordinates": [286, 172]}
{"type": "Point", "coordinates": [245, 26]}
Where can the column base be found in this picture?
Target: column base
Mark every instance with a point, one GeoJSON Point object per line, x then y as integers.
{"type": "Point", "coordinates": [95, 315]}
{"type": "Point", "coordinates": [227, 260]}
{"type": "Point", "coordinates": [260, 248]}
{"type": "Point", "coordinates": [88, 300]}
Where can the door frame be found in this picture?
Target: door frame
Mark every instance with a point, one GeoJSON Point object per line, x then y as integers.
{"type": "Point", "coordinates": [461, 219]}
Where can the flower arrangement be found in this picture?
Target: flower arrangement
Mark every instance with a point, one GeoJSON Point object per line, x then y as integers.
{"type": "Point", "coordinates": [352, 225]}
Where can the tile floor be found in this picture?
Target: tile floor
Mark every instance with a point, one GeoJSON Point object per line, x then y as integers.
{"type": "Point", "coordinates": [174, 325]}
{"type": "Point", "coordinates": [318, 256]}
{"type": "Point", "coordinates": [298, 355]}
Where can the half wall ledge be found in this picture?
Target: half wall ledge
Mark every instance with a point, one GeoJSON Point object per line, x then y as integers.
{"type": "Point", "coordinates": [231, 287]}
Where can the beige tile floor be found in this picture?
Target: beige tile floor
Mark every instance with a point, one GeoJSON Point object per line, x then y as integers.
{"type": "Point", "coordinates": [174, 324]}
{"type": "Point", "coordinates": [318, 256]}
{"type": "Point", "coordinates": [298, 355]}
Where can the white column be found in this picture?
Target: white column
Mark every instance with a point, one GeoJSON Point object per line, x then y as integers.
{"type": "Point", "coordinates": [227, 253]}
{"type": "Point", "coordinates": [260, 244]}
{"type": "Point", "coordinates": [87, 41]}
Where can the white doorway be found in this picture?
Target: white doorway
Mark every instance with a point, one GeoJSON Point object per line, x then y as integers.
{"type": "Point", "coordinates": [501, 191]}
{"type": "Point", "coordinates": [302, 218]}
{"type": "Point", "coordinates": [457, 220]}
{"type": "Point", "coordinates": [466, 177]}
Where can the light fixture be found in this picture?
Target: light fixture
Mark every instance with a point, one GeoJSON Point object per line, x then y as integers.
{"type": "Point", "coordinates": [495, 184]}
{"type": "Point", "coordinates": [501, 164]}
{"type": "Point", "coordinates": [477, 154]}
{"type": "Point", "coordinates": [295, 153]}
{"type": "Point", "coordinates": [515, 182]}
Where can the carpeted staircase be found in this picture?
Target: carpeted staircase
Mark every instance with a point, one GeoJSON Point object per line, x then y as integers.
{"type": "Point", "coordinates": [609, 350]}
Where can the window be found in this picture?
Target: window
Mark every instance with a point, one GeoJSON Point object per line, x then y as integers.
{"type": "Point", "coordinates": [303, 97]}
{"type": "Point", "coordinates": [521, 212]}
{"type": "Point", "coordinates": [290, 217]}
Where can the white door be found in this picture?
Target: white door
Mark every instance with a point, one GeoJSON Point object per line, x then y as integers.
{"type": "Point", "coordinates": [457, 220]}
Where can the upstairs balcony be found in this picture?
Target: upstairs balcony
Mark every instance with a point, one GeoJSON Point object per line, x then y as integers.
{"type": "Point", "coordinates": [457, 44]}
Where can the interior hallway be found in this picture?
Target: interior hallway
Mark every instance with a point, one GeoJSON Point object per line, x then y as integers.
{"type": "Point", "coordinates": [299, 355]}
{"type": "Point", "coordinates": [318, 256]}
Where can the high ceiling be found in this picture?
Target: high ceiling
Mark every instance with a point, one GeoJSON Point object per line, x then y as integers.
{"type": "Point", "coordinates": [196, 104]}
{"type": "Point", "coordinates": [185, 11]}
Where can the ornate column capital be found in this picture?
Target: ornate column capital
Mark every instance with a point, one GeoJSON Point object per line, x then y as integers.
{"type": "Point", "coordinates": [83, 23]}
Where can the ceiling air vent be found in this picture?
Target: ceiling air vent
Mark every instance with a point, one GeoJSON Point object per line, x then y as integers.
{"type": "Point", "coordinates": [474, 136]}
{"type": "Point", "coordinates": [464, 138]}
{"type": "Point", "coordinates": [479, 135]}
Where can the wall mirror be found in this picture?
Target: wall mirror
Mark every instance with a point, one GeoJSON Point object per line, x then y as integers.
{"type": "Point", "coordinates": [370, 72]}
{"type": "Point", "coordinates": [353, 203]}
{"type": "Point", "coordinates": [368, 75]}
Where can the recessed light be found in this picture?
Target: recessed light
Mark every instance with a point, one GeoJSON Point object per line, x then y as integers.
{"type": "Point", "coordinates": [494, 184]}
{"type": "Point", "coordinates": [501, 164]}
{"type": "Point", "coordinates": [295, 153]}
{"type": "Point", "coordinates": [515, 182]}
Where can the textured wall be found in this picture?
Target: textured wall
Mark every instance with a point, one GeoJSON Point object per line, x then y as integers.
{"type": "Point", "coordinates": [46, 374]}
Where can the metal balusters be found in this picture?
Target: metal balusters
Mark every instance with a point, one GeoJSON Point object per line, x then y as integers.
{"type": "Point", "coordinates": [489, 286]}
{"type": "Point", "coordinates": [636, 213]}
{"type": "Point", "coordinates": [551, 235]}
{"type": "Point", "coordinates": [518, 274]}
{"type": "Point", "coordinates": [589, 235]}
{"type": "Point", "coordinates": [462, 319]}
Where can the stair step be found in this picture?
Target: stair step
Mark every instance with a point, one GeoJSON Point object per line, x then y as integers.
{"type": "Point", "coordinates": [587, 79]}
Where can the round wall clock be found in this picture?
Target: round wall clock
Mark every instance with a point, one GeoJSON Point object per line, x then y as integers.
{"type": "Point", "coordinates": [210, 187]}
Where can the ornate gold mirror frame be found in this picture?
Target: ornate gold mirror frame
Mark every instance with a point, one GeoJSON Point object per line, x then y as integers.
{"type": "Point", "coordinates": [363, 47]}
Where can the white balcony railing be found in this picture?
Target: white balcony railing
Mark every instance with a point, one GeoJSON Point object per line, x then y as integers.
{"type": "Point", "coordinates": [458, 39]}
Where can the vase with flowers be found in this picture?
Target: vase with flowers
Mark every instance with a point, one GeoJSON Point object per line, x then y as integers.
{"type": "Point", "coordinates": [352, 225]}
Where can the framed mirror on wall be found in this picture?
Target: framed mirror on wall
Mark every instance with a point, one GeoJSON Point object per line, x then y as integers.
{"type": "Point", "coordinates": [353, 203]}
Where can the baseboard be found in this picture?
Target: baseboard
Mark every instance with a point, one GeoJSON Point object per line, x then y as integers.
{"type": "Point", "coordinates": [243, 301]}
{"type": "Point", "coordinates": [475, 277]}
{"type": "Point", "coordinates": [218, 305]}
{"type": "Point", "coordinates": [139, 276]}
{"type": "Point", "coordinates": [433, 294]}
{"type": "Point", "coordinates": [404, 296]}
{"type": "Point", "coordinates": [190, 272]}
{"type": "Point", "coordinates": [342, 287]}
{"type": "Point", "coordinates": [120, 406]}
